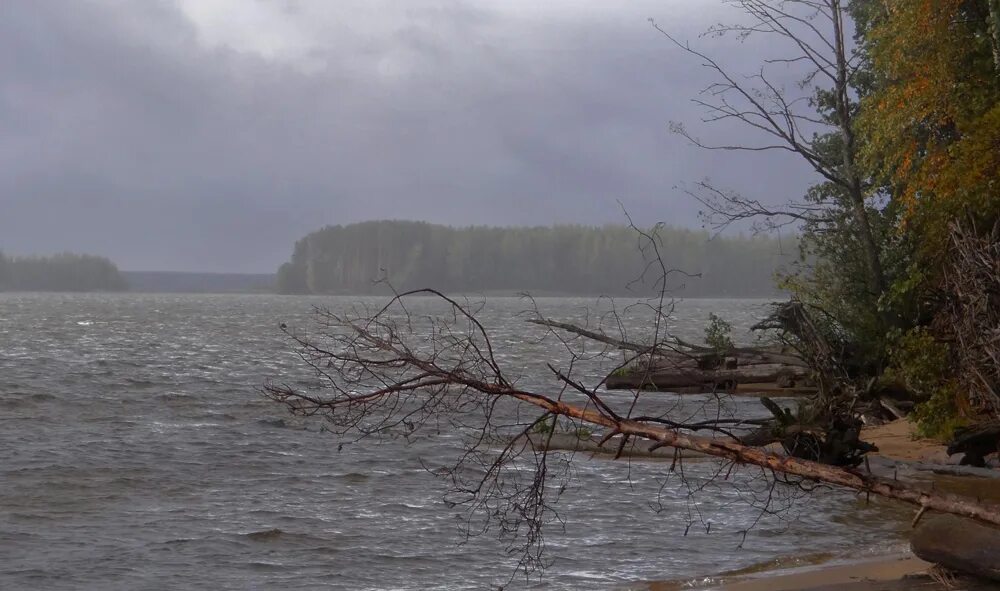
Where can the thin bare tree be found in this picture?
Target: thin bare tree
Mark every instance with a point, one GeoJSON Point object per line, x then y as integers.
{"type": "Point", "coordinates": [817, 126]}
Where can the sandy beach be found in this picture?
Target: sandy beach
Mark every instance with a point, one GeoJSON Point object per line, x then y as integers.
{"type": "Point", "coordinates": [903, 572]}
{"type": "Point", "coordinates": [896, 441]}
{"type": "Point", "coordinates": [891, 573]}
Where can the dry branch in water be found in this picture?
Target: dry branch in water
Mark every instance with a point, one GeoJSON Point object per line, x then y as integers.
{"type": "Point", "coordinates": [675, 347]}
{"type": "Point", "coordinates": [390, 372]}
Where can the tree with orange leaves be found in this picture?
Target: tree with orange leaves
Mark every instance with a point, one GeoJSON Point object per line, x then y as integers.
{"type": "Point", "coordinates": [933, 122]}
{"type": "Point", "coordinates": [931, 127]}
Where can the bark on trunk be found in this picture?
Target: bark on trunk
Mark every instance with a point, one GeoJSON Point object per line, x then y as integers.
{"type": "Point", "coordinates": [995, 31]}
{"type": "Point", "coordinates": [852, 180]}
{"type": "Point", "coordinates": [665, 378]}
{"type": "Point", "coordinates": [855, 479]}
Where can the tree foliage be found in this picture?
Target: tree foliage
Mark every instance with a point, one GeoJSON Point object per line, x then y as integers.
{"type": "Point", "coordinates": [718, 334]}
{"type": "Point", "coordinates": [932, 122]}
{"type": "Point", "coordinates": [930, 117]}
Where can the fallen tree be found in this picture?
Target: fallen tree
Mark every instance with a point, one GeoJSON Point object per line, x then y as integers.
{"type": "Point", "coordinates": [387, 370]}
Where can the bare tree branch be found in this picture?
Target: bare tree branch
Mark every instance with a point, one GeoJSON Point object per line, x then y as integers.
{"type": "Point", "coordinates": [372, 346]}
{"type": "Point", "coordinates": [815, 30]}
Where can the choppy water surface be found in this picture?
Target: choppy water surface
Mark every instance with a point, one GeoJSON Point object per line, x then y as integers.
{"type": "Point", "coordinates": [137, 453]}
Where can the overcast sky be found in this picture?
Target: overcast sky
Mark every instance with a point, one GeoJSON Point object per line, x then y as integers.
{"type": "Point", "coordinates": [211, 134]}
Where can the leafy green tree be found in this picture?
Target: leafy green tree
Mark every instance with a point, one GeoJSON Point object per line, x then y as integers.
{"type": "Point", "coordinates": [718, 334]}
{"type": "Point", "coordinates": [850, 253]}
{"type": "Point", "coordinates": [931, 119]}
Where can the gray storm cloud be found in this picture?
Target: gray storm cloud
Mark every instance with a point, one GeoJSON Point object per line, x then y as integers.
{"type": "Point", "coordinates": [209, 135]}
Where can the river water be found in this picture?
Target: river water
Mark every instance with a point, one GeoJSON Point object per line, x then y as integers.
{"type": "Point", "coordinates": [136, 452]}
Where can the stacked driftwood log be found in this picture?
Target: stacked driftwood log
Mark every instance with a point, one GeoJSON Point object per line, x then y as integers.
{"type": "Point", "coordinates": [679, 366]}
{"type": "Point", "coordinates": [687, 369]}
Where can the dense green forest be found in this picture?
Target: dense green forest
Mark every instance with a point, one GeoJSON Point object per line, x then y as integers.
{"type": "Point", "coordinates": [61, 272]}
{"type": "Point", "coordinates": [557, 259]}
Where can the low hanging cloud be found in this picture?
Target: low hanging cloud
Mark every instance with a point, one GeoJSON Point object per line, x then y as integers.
{"type": "Point", "coordinates": [209, 135]}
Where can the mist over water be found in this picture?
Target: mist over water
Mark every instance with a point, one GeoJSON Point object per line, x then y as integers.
{"type": "Point", "coordinates": [137, 453]}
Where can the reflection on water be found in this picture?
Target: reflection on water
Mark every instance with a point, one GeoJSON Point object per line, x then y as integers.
{"type": "Point", "coordinates": [138, 453]}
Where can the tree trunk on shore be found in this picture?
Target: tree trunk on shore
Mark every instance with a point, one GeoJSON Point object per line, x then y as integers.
{"type": "Point", "coordinates": [995, 31]}
{"type": "Point", "coordinates": [959, 544]}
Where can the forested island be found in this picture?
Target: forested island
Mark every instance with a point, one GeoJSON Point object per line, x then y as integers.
{"type": "Point", "coordinates": [542, 260]}
{"type": "Point", "coordinates": [61, 272]}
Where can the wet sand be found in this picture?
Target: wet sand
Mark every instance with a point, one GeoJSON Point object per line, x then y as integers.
{"type": "Point", "coordinates": [892, 573]}
{"type": "Point", "coordinates": [906, 572]}
{"type": "Point", "coordinates": [897, 441]}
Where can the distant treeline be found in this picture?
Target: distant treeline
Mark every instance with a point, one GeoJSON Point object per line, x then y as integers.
{"type": "Point", "coordinates": [556, 260]}
{"type": "Point", "coordinates": [61, 272]}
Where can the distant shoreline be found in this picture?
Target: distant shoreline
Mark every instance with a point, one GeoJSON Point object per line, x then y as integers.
{"type": "Point", "coordinates": [198, 282]}
{"type": "Point", "coordinates": [472, 295]}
